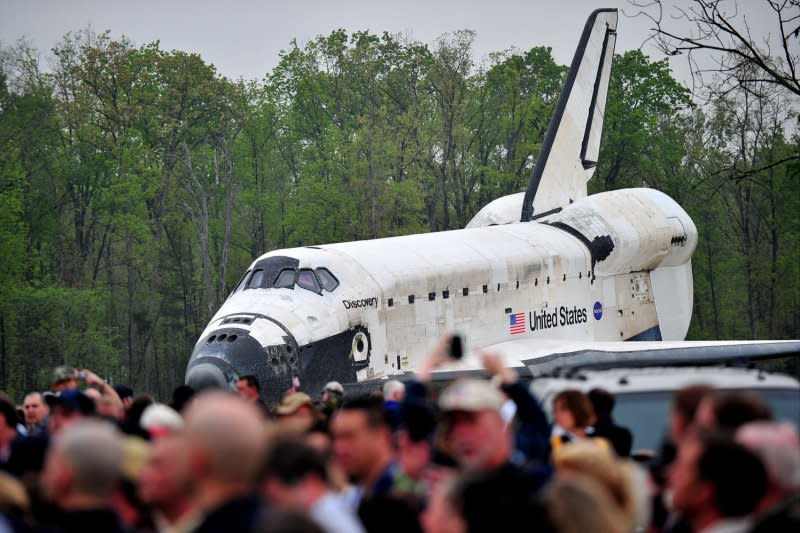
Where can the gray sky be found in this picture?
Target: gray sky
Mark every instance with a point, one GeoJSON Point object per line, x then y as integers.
{"type": "Point", "coordinates": [243, 38]}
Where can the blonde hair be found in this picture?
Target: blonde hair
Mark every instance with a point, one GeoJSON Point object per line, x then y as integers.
{"type": "Point", "coordinates": [580, 503]}
{"type": "Point", "coordinates": [599, 463]}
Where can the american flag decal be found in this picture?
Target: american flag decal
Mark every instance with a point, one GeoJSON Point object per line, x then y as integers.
{"type": "Point", "coordinates": [516, 323]}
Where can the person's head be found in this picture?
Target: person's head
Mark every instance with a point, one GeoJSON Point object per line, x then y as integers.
{"type": "Point", "coordinates": [296, 412]}
{"type": "Point", "coordinates": [362, 444]}
{"type": "Point", "coordinates": [125, 394]}
{"type": "Point", "coordinates": [414, 455]}
{"type": "Point", "coordinates": [588, 458]}
{"type": "Point", "coordinates": [181, 397]}
{"type": "Point", "coordinates": [474, 427]}
{"type": "Point", "coordinates": [163, 483]}
{"type": "Point", "coordinates": [393, 391]}
{"type": "Point", "coordinates": [572, 410]}
{"type": "Point", "coordinates": [8, 420]}
{"type": "Point", "coordinates": [728, 410]}
{"type": "Point", "coordinates": [333, 391]}
{"type": "Point", "coordinates": [684, 409]}
{"type": "Point", "coordinates": [223, 437]}
{"type": "Point", "coordinates": [579, 503]}
{"type": "Point", "coordinates": [82, 464]}
{"type": "Point", "coordinates": [249, 388]}
{"type": "Point", "coordinates": [158, 419]}
{"type": "Point", "coordinates": [126, 502]}
{"type": "Point", "coordinates": [293, 474]}
{"type": "Point", "coordinates": [778, 446]}
{"type": "Point", "coordinates": [64, 377]}
{"type": "Point", "coordinates": [66, 408]}
{"type": "Point", "coordinates": [714, 478]}
{"type": "Point", "coordinates": [36, 409]}
{"type": "Point", "coordinates": [602, 403]}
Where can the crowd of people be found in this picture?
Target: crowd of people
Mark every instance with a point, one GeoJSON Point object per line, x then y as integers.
{"type": "Point", "coordinates": [474, 455]}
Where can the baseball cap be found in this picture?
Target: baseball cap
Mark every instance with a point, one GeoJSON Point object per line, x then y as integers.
{"type": "Point", "coordinates": [63, 373]}
{"type": "Point", "coordinates": [71, 399]}
{"type": "Point", "coordinates": [471, 395]}
{"type": "Point", "coordinates": [334, 386]}
{"type": "Point", "coordinates": [159, 419]}
{"type": "Point", "coordinates": [292, 402]}
{"type": "Point", "coordinates": [123, 391]}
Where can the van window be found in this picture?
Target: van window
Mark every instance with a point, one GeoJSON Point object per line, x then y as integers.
{"type": "Point", "coordinates": [646, 414]}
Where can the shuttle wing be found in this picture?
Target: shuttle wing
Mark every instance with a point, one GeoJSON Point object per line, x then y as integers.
{"type": "Point", "coordinates": [532, 357]}
{"type": "Point", "coordinates": [570, 148]}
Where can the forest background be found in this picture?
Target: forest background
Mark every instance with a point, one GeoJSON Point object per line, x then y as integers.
{"type": "Point", "coordinates": [137, 184]}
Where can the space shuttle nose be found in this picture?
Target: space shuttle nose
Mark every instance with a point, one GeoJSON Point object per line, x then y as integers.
{"type": "Point", "coordinates": [206, 376]}
{"type": "Point", "coordinates": [229, 352]}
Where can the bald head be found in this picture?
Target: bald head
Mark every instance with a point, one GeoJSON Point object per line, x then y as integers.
{"type": "Point", "coordinates": [224, 435]}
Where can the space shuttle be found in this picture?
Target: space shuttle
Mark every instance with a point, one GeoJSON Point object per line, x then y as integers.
{"type": "Point", "coordinates": [538, 277]}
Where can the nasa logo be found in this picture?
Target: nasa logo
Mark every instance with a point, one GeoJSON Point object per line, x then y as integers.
{"type": "Point", "coordinates": [598, 310]}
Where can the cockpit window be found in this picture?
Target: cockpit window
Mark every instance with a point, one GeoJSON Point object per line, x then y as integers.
{"type": "Point", "coordinates": [327, 280]}
{"type": "Point", "coordinates": [285, 279]}
{"type": "Point", "coordinates": [256, 279]}
{"type": "Point", "coordinates": [307, 280]}
{"type": "Point", "coordinates": [281, 272]}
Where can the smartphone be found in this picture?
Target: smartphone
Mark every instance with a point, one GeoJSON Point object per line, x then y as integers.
{"type": "Point", "coordinates": [456, 349]}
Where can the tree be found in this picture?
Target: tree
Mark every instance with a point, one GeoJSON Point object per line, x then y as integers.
{"type": "Point", "coordinates": [642, 143]}
{"type": "Point", "coordinates": [722, 29]}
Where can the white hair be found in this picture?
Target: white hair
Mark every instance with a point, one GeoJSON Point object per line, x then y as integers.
{"type": "Point", "coordinates": [391, 388]}
{"type": "Point", "coordinates": [93, 449]}
{"type": "Point", "coordinates": [778, 446]}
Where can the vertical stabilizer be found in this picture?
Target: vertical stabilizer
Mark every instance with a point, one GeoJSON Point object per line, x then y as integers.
{"type": "Point", "coordinates": [572, 143]}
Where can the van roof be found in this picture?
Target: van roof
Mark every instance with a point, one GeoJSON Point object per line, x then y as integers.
{"type": "Point", "coordinates": [621, 380]}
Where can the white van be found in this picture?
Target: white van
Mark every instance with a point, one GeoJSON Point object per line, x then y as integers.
{"type": "Point", "coordinates": [644, 395]}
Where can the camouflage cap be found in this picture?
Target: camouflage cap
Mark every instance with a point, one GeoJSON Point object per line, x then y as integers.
{"type": "Point", "coordinates": [292, 402]}
{"type": "Point", "coordinates": [63, 373]}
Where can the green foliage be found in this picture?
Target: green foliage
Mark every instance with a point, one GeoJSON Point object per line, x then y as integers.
{"type": "Point", "coordinates": [136, 184]}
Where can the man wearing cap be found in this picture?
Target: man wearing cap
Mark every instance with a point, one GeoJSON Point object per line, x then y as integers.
{"type": "Point", "coordinates": [296, 411]}
{"type": "Point", "coordinates": [66, 408]}
{"type": "Point", "coordinates": [483, 446]}
{"type": "Point", "coordinates": [331, 399]}
{"type": "Point", "coordinates": [333, 391]}
{"type": "Point", "coordinates": [482, 443]}
{"type": "Point", "coordinates": [65, 377]}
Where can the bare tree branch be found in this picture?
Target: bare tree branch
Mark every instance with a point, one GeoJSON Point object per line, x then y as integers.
{"type": "Point", "coordinates": [718, 27]}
